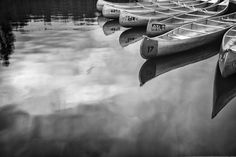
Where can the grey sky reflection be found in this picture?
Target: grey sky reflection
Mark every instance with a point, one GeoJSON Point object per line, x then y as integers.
{"type": "Point", "coordinates": [75, 89]}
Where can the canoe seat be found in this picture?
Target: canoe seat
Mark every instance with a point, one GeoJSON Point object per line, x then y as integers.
{"type": "Point", "coordinates": [231, 36]}
{"type": "Point", "coordinates": [182, 18]}
{"type": "Point", "coordinates": [219, 23]}
{"type": "Point", "coordinates": [178, 36]}
{"type": "Point", "coordinates": [193, 30]}
{"type": "Point", "coordinates": [200, 16]}
{"type": "Point", "coordinates": [214, 26]}
{"type": "Point", "coordinates": [185, 33]}
{"type": "Point", "coordinates": [228, 19]}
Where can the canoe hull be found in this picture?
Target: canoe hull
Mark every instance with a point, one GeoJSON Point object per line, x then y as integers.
{"type": "Point", "coordinates": [114, 12]}
{"type": "Point", "coordinates": [155, 28]}
{"type": "Point", "coordinates": [132, 20]}
{"type": "Point", "coordinates": [110, 12]}
{"type": "Point", "coordinates": [151, 48]}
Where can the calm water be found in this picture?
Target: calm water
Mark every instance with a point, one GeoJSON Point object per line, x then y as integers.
{"type": "Point", "coordinates": [70, 86]}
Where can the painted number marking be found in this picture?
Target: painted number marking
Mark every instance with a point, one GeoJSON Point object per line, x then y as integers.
{"type": "Point", "coordinates": [130, 18]}
{"type": "Point", "coordinates": [114, 11]}
{"type": "Point", "coordinates": [158, 27]}
{"type": "Point", "coordinates": [150, 48]}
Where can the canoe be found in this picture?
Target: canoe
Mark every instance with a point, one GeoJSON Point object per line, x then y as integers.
{"type": "Point", "coordinates": [134, 20]}
{"type": "Point", "coordinates": [128, 19]}
{"type": "Point", "coordinates": [101, 3]}
{"type": "Point", "coordinates": [111, 27]}
{"type": "Point", "coordinates": [110, 11]}
{"type": "Point", "coordinates": [114, 12]}
{"type": "Point", "coordinates": [131, 36]}
{"type": "Point", "coordinates": [224, 91]}
{"type": "Point", "coordinates": [153, 68]}
{"type": "Point", "coordinates": [227, 57]}
{"type": "Point", "coordinates": [187, 36]}
{"type": "Point", "coordinates": [156, 27]}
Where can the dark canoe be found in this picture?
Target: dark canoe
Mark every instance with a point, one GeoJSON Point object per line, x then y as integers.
{"type": "Point", "coordinates": [224, 91]}
{"type": "Point", "coordinates": [155, 67]}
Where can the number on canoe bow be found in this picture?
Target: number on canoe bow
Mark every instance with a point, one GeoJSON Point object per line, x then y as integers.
{"type": "Point", "coordinates": [150, 48]}
{"type": "Point", "coordinates": [157, 27]}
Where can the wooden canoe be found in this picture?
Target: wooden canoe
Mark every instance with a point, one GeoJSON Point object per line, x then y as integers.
{"type": "Point", "coordinates": [156, 27]}
{"type": "Point", "coordinates": [131, 36]}
{"type": "Point", "coordinates": [155, 67]}
{"type": "Point", "coordinates": [227, 57]}
{"type": "Point", "coordinates": [101, 3]}
{"type": "Point", "coordinates": [111, 11]}
{"type": "Point", "coordinates": [111, 27]}
{"type": "Point", "coordinates": [187, 36]}
{"type": "Point", "coordinates": [224, 91]}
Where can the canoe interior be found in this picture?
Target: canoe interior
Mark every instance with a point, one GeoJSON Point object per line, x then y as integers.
{"type": "Point", "coordinates": [164, 13]}
{"type": "Point", "coordinates": [136, 8]}
{"type": "Point", "coordinates": [170, 11]}
{"type": "Point", "coordinates": [193, 2]}
{"type": "Point", "coordinates": [189, 16]}
{"type": "Point", "coordinates": [195, 29]}
{"type": "Point", "coordinates": [169, 5]}
{"type": "Point", "coordinates": [182, 9]}
{"type": "Point", "coordinates": [195, 15]}
{"type": "Point", "coordinates": [185, 18]}
{"type": "Point", "coordinates": [202, 13]}
{"type": "Point", "coordinates": [176, 21]}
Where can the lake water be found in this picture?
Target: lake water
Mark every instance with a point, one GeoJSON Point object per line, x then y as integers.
{"type": "Point", "coordinates": [70, 86]}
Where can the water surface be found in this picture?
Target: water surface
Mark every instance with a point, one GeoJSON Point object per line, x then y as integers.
{"type": "Point", "coordinates": [70, 86]}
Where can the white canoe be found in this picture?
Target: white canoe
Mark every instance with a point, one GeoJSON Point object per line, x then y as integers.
{"type": "Point", "coordinates": [227, 57]}
{"type": "Point", "coordinates": [155, 67]}
{"type": "Point", "coordinates": [156, 27]}
{"type": "Point", "coordinates": [133, 20]}
{"type": "Point", "coordinates": [187, 36]}
{"type": "Point", "coordinates": [128, 19]}
{"type": "Point", "coordinates": [110, 11]}
{"type": "Point", "coordinates": [101, 3]}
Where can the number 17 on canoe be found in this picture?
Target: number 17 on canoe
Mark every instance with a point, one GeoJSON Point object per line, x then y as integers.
{"type": "Point", "coordinates": [149, 48]}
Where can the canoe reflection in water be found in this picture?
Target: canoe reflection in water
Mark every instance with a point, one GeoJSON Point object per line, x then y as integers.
{"type": "Point", "coordinates": [131, 36]}
{"type": "Point", "coordinates": [160, 65]}
{"type": "Point", "coordinates": [73, 132]}
{"type": "Point", "coordinates": [224, 91]}
{"type": "Point", "coordinates": [102, 20]}
{"type": "Point", "coordinates": [7, 39]}
{"type": "Point", "coordinates": [227, 57]}
{"type": "Point", "coordinates": [111, 27]}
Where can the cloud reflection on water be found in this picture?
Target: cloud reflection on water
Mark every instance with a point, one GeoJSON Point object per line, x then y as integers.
{"type": "Point", "coordinates": [77, 93]}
